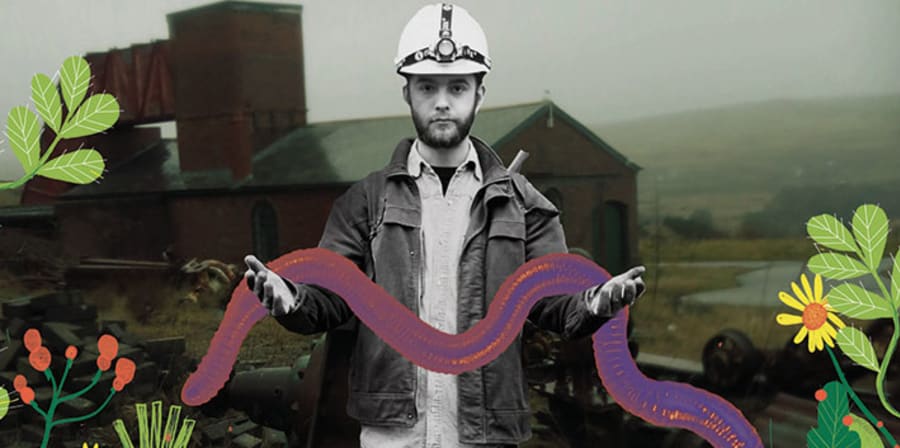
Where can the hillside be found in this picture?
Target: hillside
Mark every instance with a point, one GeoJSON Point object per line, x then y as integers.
{"type": "Point", "coordinates": [735, 160]}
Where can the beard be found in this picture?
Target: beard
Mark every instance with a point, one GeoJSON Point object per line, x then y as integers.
{"type": "Point", "coordinates": [448, 135]}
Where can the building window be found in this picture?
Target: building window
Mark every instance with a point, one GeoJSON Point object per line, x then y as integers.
{"type": "Point", "coordinates": [610, 222]}
{"type": "Point", "coordinates": [265, 231]}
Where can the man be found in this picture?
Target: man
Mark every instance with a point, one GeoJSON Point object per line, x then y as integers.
{"type": "Point", "coordinates": [440, 228]}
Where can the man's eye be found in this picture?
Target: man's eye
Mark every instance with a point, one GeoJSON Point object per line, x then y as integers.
{"type": "Point", "coordinates": [425, 88]}
{"type": "Point", "coordinates": [458, 89]}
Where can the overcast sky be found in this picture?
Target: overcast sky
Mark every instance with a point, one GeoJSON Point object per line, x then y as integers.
{"type": "Point", "coordinates": [602, 61]}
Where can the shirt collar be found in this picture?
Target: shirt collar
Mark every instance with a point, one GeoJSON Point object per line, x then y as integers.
{"type": "Point", "coordinates": [414, 160]}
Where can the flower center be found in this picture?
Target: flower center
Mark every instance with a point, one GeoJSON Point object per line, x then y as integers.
{"type": "Point", "coordinates": [814, 316]}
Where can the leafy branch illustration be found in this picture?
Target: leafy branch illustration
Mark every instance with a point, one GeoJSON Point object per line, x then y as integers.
{"type": "Point", "coordinates": [40, 359]}
{"type": "Point", "coordinates": [85, 117]}
{"type": "Point", "coordinates": [858, 252]}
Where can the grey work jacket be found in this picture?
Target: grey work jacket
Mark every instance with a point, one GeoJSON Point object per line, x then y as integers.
{"type": "Point", "coordinates": [376, 225]}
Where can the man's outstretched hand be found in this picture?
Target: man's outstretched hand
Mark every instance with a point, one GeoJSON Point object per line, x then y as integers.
{"type": "Point", "coordinates": [618, 292]}
{"type": "Point", "coordinates": [272, 290]}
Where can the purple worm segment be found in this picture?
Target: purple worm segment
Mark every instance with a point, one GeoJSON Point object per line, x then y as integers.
{"type": "Point", "coordinates": [666, 403]}
{"type": "Point", "coordinates": [661, 403]}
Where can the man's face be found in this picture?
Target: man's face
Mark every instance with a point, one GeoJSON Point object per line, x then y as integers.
{"type": "Point", "coordinates": [443, 107]}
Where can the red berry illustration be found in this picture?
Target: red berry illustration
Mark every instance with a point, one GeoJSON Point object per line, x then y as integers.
{"type": "Point", "coordinates": [40, 359]}
{"type": "Point", "coordinates": [103, 363]}
{"type": "Point", "coordinates": [71, 352]}
{"type": "Point", "coordinates": [27, 395]}
{"type": "Point", "coordinates": [847, 420]}
{"type": "Point", "coordinates": [108, 346]}
{"type": "Point", "coordinates": [125, 369]}
{"type": "Point", "coordinates": [20, 383]}
{"type": "Point", "coordinates": [821, 395]}
{"type": "Point", "coordinates": [32, 339]}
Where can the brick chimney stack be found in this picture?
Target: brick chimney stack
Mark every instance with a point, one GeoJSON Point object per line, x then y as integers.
{"type": "Point", "coordinates": [239, 84]}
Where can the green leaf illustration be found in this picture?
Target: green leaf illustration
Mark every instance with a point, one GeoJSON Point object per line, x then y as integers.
{"type": "Point", "coordinates": [859, 303]}
{"type": "Point", "coordinates": [78, 167]}
{"type": "Point", "coordinates": [868, 436]}
{"type": "Point", "coordinates": [97, 114]}
{"type": "Point", "coordinates": [46, 100]}
{"type": "Point", "coordinates": [831, 233]}
{"type": "Point", "coordinates": [895, 281]}
{"type": "Point", "coordinates": [836, 266]}
{"type": "Point", "coordinates": [74, 77]}
{"type": "Point", "coordinates": [23, 131]}
{"type": "Point", "coordinates": [857, 346]}
{"type": "Point", "coordinates": [831, 432]}
{"type": "Point", "coordinates": [870, 227]}
{"type": "Point", "coordinates": [4, 402]}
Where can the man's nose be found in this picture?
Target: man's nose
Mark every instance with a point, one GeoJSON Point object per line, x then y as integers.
{"type": "Point", "coordinates": [441, 101]}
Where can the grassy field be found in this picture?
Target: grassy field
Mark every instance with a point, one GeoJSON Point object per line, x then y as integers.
{"type": "Point", "coordinates": [728, 249]}
{"type": "Point", "coordinates": [664, 324]}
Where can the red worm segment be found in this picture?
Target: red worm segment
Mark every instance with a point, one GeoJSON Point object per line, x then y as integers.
{"type": "Point", "coordinates": [661, 403]}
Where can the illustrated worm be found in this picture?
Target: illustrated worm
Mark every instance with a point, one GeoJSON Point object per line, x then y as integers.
{"type": "Point", "coordinates": [662, 403]}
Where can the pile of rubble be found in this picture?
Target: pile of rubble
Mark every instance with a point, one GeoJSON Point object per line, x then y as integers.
{"type": "Point", "coordinates": [63, 320]}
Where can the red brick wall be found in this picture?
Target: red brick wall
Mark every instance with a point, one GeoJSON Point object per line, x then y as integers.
{"type": "Point", "coordinates": [221, 226]}
{"type": "Point", "coordinates": [239, 83]}
{"type": "Point", "coordinates": [125, 228]}
{"type": "Point", "coordinates": [587, 176]}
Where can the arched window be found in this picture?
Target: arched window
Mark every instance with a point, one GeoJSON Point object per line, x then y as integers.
{"type": "Point", "coordinates": [610, 222]}
{"type": "Point", "coordinates": [265, 231]}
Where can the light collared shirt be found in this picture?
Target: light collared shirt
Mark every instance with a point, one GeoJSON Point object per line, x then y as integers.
{"type": "Point", "coordinates": [445, 218]}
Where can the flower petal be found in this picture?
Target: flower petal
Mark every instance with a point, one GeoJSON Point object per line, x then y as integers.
{"type": "Point", "coordinates": [799, 293]}
{"type": "Point", "coordinates": [837, 320]}
{"type": "Point", "coordinates": [828, 340]}
{"type": "Point", "coordinates": [811, 341]}
{"type": "Point", "coordinates": [829, 331]}
{"type": "Point", "coordinates": [790, 301]}
{"type": "Point", "coordinates": [788, 319]}
{"type": "Point", "coordinates": [808, 290]}
{"type": "Point", "coordinates": [817, 287]}
{"type": "Point", "coordinates": [819, 344]}
{"type": "Point", "coordinates": [800, 335]}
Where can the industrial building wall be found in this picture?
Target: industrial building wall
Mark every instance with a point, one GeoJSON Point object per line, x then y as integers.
{"type": "Point", "coordinates": [129, 228]}
{"type": "Point", "coordinates": [222, 227]}
{"type": "Point", "coordinates": [588, 179]}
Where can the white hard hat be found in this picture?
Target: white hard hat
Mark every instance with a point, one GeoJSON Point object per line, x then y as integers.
{"type": "Point", "coordinates": [442, 39]}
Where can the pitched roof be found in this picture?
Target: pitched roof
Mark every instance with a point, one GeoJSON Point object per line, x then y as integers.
{"type": "Point", "coordinates": [337, 152]}
{"type": "Point", "coordinates": [346, 151]}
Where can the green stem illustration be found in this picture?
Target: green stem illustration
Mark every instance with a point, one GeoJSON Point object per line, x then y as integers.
{"type": "Point", "coordinates": [83, 391]}
{"type": "Point", "coordinates": [30, 175]}
{"type": "Point", "coordinates": [889, 353]}
{"type": "Point", "coordinates": [859, 403]}
{"type": "Point", "coordinates": [112, 393]}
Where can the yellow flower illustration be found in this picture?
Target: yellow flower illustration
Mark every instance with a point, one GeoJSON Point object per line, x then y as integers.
{"type": "Point", "coordinates": [815, 317]}
{"type": "Point", "coordinates": [86, 445]}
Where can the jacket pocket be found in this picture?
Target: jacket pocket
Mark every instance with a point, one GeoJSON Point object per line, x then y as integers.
{"type": "Point", "coordinates": [400, 215]}
{"type": "Point", "coordinates": [392, 228]}
{"type": "Point", "coordinates": [507, 229]}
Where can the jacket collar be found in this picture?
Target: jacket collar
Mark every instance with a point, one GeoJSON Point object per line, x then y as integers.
{"type": "Point", "coordinates": [415, 162]}
{"type": "Point", "coordinates": [492, 167]}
